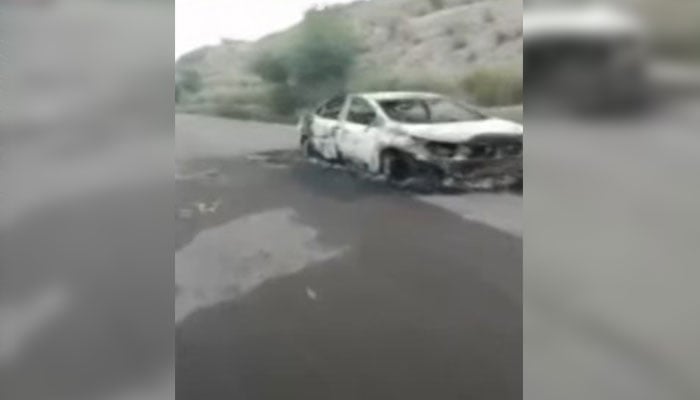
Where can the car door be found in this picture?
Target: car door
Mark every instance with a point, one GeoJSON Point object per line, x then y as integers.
{"type": "Point", "coordinates": [357, 137]}
{"type": "Point", "coordinates": [325, 125]}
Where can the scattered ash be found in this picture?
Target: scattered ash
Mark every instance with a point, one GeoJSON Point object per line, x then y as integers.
{"type": "Point", "coordinates": [501, 178]}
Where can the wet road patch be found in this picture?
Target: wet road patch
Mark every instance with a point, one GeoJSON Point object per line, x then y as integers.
{"type": "Point", "coordinates": [267, 245]}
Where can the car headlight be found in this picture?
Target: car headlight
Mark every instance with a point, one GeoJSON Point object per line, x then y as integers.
{"type": "Point", "coordinates": [446, 150]}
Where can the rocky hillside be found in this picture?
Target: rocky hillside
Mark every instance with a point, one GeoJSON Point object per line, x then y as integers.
{"type": "Point", "coordinates": [429, 40]}
{"type": "Point", "coordinates": [409, 35]}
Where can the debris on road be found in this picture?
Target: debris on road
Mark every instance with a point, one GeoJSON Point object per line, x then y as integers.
{"type": "Point", "coordinates": [204, 209]}
{"type": "Point", "coordinates": [274, 160]}
{"type": "Point", "coordinates": [207, 174]}
{"type": "Point", "coordinates": [311, 294]}
{"type": "Point", "coordinates": [185, 213]}
{"type": "Point", "coordinates": [499, 177]}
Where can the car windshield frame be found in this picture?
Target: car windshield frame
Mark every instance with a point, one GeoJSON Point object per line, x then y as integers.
{"type": "Point", "coordinates": [427, 105]}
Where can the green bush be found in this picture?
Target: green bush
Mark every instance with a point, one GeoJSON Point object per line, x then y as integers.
{"type": "Point", "coordinates": [501, 37]}
{"type": "Point", "coordinates": [488, 16]}
{"type": "Point", "coordinates": [437, 4]}
{"type": "Point", "coordinates": [187, 83]}
{"type": "Point", "coordinates": [325, 50]}
{"type": "Point", "coordinates": [235, 111]}
{"type": "Point", "coordinates": [189, 80]}
{"type": "Point", "coordinates": [460, 43]}
{"type": "Point", "coordinates": [312, 66]}
{"type": "Point", "coordinates": [234, 107]}
{"type": "Point", "coordinates": [370, 81]}
{"type": "Point", "coordinates": [284, 100]}
{"type": "Point", "coordinates": [512, 113]}
{"type": "Point", "coordinates": [495, 86]}
{"type": "Point", "coordinates": [272, 68]}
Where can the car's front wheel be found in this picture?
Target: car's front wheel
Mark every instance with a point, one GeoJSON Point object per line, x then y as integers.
{"type": "Point", "coordinates": [308, 150]}
{"type": "Point", "coordinates": [395, 166]}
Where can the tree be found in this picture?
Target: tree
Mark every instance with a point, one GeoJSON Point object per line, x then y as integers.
{"type": "Point", "coordinates": [272, 67]}
{"type": "Point", "coordinates": [315, 63]}
{"type": "Point", "coordinates": [325, 50]}
{"type": "Point", "coordinates": [189, 81]}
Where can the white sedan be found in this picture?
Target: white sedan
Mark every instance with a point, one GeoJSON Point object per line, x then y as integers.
{"type": "Point", "coordinates": [401, 134]}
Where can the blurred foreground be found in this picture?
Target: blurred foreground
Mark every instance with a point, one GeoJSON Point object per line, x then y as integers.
{"type": "Point", "coordinates": [86, 237]}
{"type": "Point", "coordinates": [611, 309]}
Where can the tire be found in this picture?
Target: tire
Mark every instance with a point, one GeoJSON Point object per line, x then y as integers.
{"type": "Point", "coordinates": [395, 166]}
{"type": "Point", "coordinates": [307, 148]}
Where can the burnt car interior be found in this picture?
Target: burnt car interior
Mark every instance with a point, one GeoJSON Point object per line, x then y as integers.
{"type": "Point", "coordinates": [332, 108]}
{"type": "Point", "coordinates": [361, 112]}
{"type": "Point", "coordinates": [428, 111]}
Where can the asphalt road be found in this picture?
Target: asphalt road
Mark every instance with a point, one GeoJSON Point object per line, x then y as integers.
{"type": "Point", "coordinates": [612, 253]}
{"type": "Point", "coordinates": [299, 282]}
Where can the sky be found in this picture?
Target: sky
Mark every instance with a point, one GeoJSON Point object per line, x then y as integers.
{"type": "Point", "coordinates": [202, 22]}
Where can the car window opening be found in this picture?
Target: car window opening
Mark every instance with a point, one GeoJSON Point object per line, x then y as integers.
{"type": "Point", "coordinates": [361, 112]}
{"type": "Point", "coordinates": [428, 111]}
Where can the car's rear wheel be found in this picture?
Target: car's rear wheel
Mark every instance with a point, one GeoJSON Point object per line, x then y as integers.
{"type": "Point", "coordinates": [395, 166]}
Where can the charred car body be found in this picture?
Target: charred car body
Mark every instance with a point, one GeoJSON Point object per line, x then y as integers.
{"type": "Point", "coordinates": [586, 57]}
{"type": "Point", "coordinates": [407, 134]}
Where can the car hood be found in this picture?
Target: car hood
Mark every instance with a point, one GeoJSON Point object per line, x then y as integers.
{"type": "Point", "coordinates": [458, 132]}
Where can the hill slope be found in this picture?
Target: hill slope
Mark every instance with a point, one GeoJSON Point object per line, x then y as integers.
{"type": "Point", "coordinates": [427, 40]}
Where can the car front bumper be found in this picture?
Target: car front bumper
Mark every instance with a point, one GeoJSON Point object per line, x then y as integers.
{"type": "Point", "coordinates": [464, 168]}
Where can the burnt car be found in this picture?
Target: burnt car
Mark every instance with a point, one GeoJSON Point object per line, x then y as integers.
{"type": "Point", "coordinates": [404, 134]}
{"type": "Point", "coordinates": [584, 57]}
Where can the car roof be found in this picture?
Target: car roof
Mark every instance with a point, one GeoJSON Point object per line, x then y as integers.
{"type": "Point", "coordinates": [585, 21]}
{"type": "Point", "coordinates": [384, 96]}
